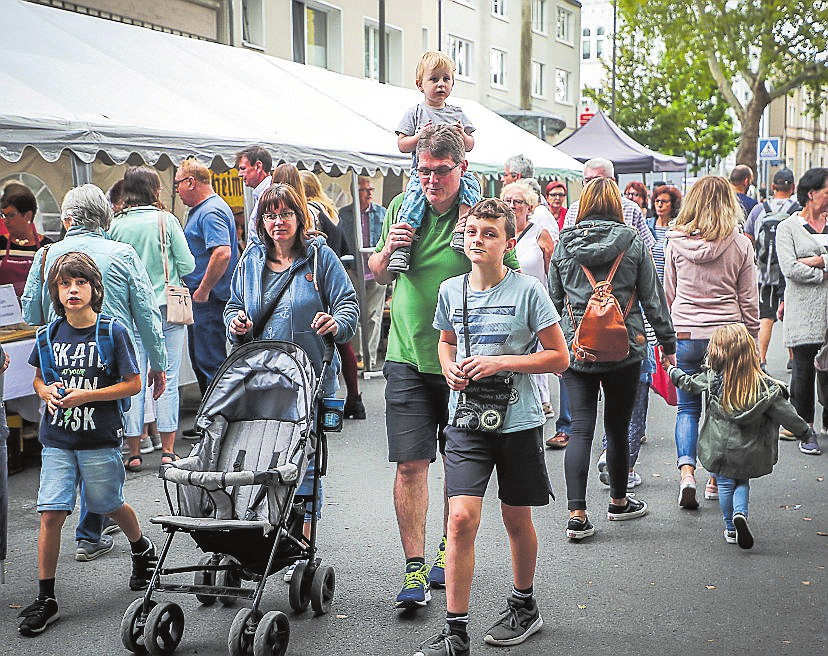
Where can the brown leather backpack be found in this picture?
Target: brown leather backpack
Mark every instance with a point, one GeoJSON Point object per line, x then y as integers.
{"type": "Point", "coordinates": [602, 336]}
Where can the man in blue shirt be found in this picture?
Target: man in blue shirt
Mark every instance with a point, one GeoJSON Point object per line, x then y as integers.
{"type": "Point", "coordinates": [211, 235]}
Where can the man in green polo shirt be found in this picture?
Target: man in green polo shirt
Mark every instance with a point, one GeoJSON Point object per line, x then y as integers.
{"type": "Point", "coordinates": [416, 393]}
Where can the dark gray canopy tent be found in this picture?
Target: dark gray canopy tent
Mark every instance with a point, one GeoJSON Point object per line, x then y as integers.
{"type": "Point", "coordinates": [600, 137]}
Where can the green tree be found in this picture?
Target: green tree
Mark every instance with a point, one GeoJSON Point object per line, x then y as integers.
{"type": "Point", "coordinates": [755, 50]}
{"type": "Point", "coordinates": [668, 101]}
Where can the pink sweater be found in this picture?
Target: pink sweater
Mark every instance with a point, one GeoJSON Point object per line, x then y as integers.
{"type": "Point", "coordinates": [710, 283]}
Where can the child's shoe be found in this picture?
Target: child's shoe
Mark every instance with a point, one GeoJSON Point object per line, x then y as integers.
{"type": "Point", "coordinates": [398, 262]}
{"type": "Point", "coordinates": [744, 538]}
{"type": "Point", "coordinates": [143, 565]}
{"type": "Point", "coordinates": [37, 616]}
{"type": "Point", "coordinates": [730, 536]}
{"type": "Point", "coordinates": [711, 490]}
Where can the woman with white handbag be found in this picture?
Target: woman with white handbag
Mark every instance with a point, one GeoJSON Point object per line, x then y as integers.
{"type": "Point", "coordinates": [159, 239]}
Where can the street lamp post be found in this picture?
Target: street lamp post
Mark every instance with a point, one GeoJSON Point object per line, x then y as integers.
{"type": "Point", "coordinates": [614, 30]}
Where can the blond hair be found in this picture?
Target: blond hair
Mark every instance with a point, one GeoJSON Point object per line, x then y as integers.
{"type": "Point", "coordinates": [313, 192]}
{"type": "Point", "coordinates": [710, 209]}
{"type": "Point", "coordinates": [434, 60]}
{"type": "Point", "coordinates": [732, 352]}
{"type": "Point", "coordinates": [529, 196]}
{"type": "Point", "coordinates": [600, 198]}
{"type": "Point", "coordinates": [192, 167]}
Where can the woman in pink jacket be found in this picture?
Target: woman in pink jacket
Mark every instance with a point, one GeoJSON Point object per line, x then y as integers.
{"type": "Point", "coordinates": [709, 280]}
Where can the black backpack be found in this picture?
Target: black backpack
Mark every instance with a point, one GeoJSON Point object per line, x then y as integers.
{"type": "Point", "coordinates": [765, 242]}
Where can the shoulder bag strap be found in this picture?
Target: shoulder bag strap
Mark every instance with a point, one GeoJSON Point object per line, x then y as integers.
{"type": "Point", "coordinates": [43, 265]}
{"type": "Point", "coordinates": [283, 285]}
{"type": "Point", "coordinates": [162, 233]}
{"type": "Point", "coordinates": [466, 330]}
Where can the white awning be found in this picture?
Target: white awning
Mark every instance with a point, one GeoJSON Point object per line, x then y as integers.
{"type": "Point", "coordinates": [102, 89]}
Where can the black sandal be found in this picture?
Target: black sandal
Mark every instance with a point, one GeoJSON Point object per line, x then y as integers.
{"type": "Point", "coordinates": [133, 468]}
{"type": "Point", "coordinates": [172, 457]}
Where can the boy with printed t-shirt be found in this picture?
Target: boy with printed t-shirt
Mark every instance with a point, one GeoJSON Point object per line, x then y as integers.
{"type": "Point", "coordinates": [435, 78]}
{"type": "Point", "coordinates": [507, 314]}
{"type": "Point", "coordinates": [82, 428]}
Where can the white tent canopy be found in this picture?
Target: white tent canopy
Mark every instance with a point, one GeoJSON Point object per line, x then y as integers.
{"type": "Point", "coordinates": [102, 89]}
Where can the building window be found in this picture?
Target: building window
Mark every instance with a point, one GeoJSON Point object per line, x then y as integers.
{"type": "Point", "coordinates": [460, 50]}
{"type": "Point", "coordinates": [499, 8]}
{"type": "Point", "coordinates": [393, 53]}
{"type": "Point", "coordinates": [538, 79]}
{"type": "Point", "coordinates": [563, 86]}
{"type": "Point", "coordinates": [539, 16]}
{"type": "Point", "coordinates": [253, 22]}
{"type": "Point", "coordinates": [599, 48]}
{"type": "Point", "coordinates": [600, 31]}
{"type": "Point", "coordinates": [564, 25]}
{"type": "Point", "coordinates": [497, 65]}
{"type": "Point", "coordinates": [585, 51]}
{"type": "Point", "coordinates": [317, 34]}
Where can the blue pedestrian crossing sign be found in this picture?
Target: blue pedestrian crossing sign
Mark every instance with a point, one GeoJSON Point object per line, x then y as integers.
{"type": "Point", "coordinates": [769, 148]}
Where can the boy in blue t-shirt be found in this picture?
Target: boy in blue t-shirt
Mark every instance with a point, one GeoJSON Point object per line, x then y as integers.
{"type": "Point", "coordinates": [82, 428]}
{"type": "Point", "coordinates": [435, 78]}
{"type": "Point", "coordinates": [508, 313]}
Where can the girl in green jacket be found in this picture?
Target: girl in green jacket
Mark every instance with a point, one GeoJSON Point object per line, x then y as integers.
{"type": "Point", "coordinates": [744, 408]}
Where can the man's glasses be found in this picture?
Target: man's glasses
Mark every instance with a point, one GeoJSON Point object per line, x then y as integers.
{"type": "Point", "coordinates": [178, 182]}
{"type": "Point", "coordinates": [440, 171]}
{"type": "Point", "coordinates": [366, 189]}
{"type": "Point", "coordinates": [9, 215]}
{"type": "Point", "coordinates": [284, 217]}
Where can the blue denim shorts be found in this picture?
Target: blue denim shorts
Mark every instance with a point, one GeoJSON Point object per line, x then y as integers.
{"type": "Point", "coordinates": [100, 470]}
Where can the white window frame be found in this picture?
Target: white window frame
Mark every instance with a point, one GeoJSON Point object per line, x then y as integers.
{"type": "Point", "coordinates": [540, 15]}
{"type": "Point", "coordinates": [393, 51]}
{"type": "Point", "coordinates": [497, 68]}
{"type": "Point", "coordinates": [333, 54]}
{"type": "Point", "coordinates": [466, 3]}
{"type": "Point", "coordinates": [255, 37]}
{"type": "Point", "coordinates": [565, 35]}
{"type": "Point", "coordinates": [567, 100]}
{"type": "Point", "coordinates": [468, 56]}
{"type": "Point", "coordinates": [586, 42]}
{"type": "Point", "coordinates": [498, 8]}
{"type": "Point", "coordinates": [538, 79]}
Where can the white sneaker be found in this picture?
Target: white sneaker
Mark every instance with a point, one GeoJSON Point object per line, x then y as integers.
{"type": "Point", "coordinates": [633, 480]}
{"type": "Point", "coordinates": [289, 571]}
{"type": "Point", "coordinates": [146, 445]}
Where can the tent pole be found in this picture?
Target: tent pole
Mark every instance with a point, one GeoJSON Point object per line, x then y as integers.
{"type": "Point", "coordinates": [359, 268]}
{"type": "Point", "coordinates": [81, 171]}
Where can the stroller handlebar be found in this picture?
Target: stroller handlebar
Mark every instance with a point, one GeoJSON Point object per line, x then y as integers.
{"type": "Point", "coordinates": [330, 347]}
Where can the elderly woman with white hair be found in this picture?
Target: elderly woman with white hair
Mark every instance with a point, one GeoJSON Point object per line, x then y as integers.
{"type": "Point", "coordinates": [128, 296]}
{"type": "Point", "coordinates": [534, 248]}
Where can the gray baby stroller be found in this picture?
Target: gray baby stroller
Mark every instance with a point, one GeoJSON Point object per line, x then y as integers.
{"type": "Point", "coordinates": [235, 495]}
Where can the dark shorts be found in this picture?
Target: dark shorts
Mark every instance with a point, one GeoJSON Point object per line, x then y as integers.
{"type": "Point", "coordinates": [416, 412]}
{"type": "Point", "coordinates": [522, 479]}
{"type": "Point", "coordinates": [768, 301]}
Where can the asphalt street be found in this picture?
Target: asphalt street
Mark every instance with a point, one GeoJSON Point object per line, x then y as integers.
{"type": "Point", "coordinates": [663, 584]}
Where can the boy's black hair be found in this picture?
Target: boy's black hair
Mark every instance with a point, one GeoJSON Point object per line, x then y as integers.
{"type": "Point", "coordinates": [75, 265]}
{"type": "Point", "coordinates": [494, 208]}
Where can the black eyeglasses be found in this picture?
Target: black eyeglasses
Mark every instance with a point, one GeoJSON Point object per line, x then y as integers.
{"type": "Point", "coordinates": [662, 201]}
{"type": "Point", "coordinates": [178, 182]}
{"type": "Point", "coordinates": [558, 195]}
{"type": "Point", "coordinates": [366, 189]}
{"type": "Point", "coordinates": [440, 171]}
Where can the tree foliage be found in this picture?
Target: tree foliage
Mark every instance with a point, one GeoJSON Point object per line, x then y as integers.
{"type": "Point", "coordinates": [755, 50]}
{"type": "Point", "coordinates": [668, 101]}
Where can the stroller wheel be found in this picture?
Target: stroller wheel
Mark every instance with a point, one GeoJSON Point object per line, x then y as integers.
{"type": "Point", "coordinates": [164, 629]}
{"type": "Point", "coordinates": [243, 632]}
{"type": "Point", "coordinates": [228, 578]}
{"type": "Point", "coordinates": [205, 578]}
{"type": "Point", "coordinates": [272, 635]}
{"type": "Point", "coordinates": [299, 592]}
{"type": "Point", "coordinates": [322, 589]}
{"type": "Point", "coordinates": [132, 627]}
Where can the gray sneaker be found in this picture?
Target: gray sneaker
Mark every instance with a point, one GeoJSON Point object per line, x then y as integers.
{"type": "Point", "coordinates": [146, 445]}
{"type": "Point", "coordinates": [398, 262]}
{"type": "Point", "coordinates": [156, 442]}
{"type": "Point", "coordinates": [110, 526]}
{"type": "Point", "coordinates": [516, 624]}
{"type": "Point", "coordinates": [444, 644]}
{"type": "Point", "coordinates": [91, 550]}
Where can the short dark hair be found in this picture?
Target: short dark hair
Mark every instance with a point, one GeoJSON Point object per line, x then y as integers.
{"type": "Point", "coordinates": [20, 197]}
{"type": "Point", "coordinates": [142, 186]}
{"type": "Point", "coordinates": [494, 208]}
{"type": "Point", "coordinates": [75, 265]}
{"type": "Point", "coordinates": [812, 180]}
{"type": "Point", "coordinates": [740, 173]}
{"type": "Point", "coordinates": [255, 154]}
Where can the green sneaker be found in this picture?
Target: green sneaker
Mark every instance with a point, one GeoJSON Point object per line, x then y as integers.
{"type": "Point", "coordinates": [437, 574]}
{"type": "Point", "coordinates": [415, 592]}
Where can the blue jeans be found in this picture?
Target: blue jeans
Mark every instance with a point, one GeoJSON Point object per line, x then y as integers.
{"type": "Point", "coordinates": [208, 340]}
{"type": "Point", "coordinates": [734, 497]}
{"type": "Point", "coordinates": [638, 420]}
{"type": "Point", "coordinates": [690, 354]}
{"type": "Point", "coordinates": [564, 422]}
{"type": "Point", "coordinates": [413, 208]}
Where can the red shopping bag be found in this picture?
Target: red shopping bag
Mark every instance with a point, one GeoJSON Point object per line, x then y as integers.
{"type": "Point", "coordinates": [662, 385]}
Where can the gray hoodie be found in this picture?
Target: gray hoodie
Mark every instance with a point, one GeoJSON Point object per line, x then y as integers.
{"type": "Point", "coordinates": [710, 283]}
